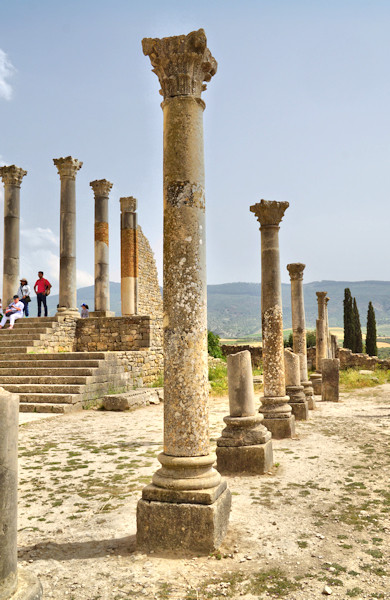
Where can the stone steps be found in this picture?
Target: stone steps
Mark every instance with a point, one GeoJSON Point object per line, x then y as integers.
{"type": "Point", "coordinates": [54, 382]}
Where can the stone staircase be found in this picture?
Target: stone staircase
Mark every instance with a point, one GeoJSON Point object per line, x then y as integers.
{"type": "Point", "coordinates": [54, 382]}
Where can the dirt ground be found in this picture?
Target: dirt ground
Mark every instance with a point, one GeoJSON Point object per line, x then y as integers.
{"type": "Point", "coordinates": [319, 520]}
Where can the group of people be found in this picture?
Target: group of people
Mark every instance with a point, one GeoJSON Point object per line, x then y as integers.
{"type": "Point", "coordinates": [19, 306]}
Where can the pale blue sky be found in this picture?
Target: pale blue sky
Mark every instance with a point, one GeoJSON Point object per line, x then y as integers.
{"type": "Point", "coordinates": [298, 111]}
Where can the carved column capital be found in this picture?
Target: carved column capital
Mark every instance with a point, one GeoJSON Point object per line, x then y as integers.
{"type": "Point", "coordinates": [12, 175]}
{"type": "Point", "coordinates": [67, 167]}
{"type": "Point", "coordinates": [296, 271]}
{"type": "Point", "coordinates": [327, 300]}
{"type": "Point", "coordinates": [101, 187]}
{"type": "Point", "coordinates": [321, 296]}
{"type": "Point", "coordinates": [269, 213]}
{"type": "Point", "coordinates": [182, 63]}
{"type": "Point", "coordinates": [128, 204]}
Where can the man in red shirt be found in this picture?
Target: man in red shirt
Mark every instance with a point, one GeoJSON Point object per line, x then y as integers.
{"type": "Point", "coordinates": [42, 290]}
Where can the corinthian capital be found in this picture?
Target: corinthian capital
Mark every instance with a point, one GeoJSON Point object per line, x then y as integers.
{"type": "Point", "coordinates": [321, 297]}
{"type": "Point", "coordinates": [269, 212]}
{"type": "Point", "coordinates": [12, 175]}
{"type": "Point", "coordinates": [101, 187]}
{"type": "Point", "coordinates": [296, 271]}
{"type": "Point", "coordinates": [67, 167]}
{"type": "Point", "coordinates": [128, 204]}
{"type": "Point", "coordinates": [182, 63]}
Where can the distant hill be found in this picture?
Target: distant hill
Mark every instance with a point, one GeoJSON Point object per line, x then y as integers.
{"type": "Point", "coordinates": [234, 308]}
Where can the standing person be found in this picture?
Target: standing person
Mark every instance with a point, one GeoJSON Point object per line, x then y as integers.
{"type": "Point", "coordinates": [24, 292]}
{"type": "Point", "coordinates": [12, 312]}
{"type": "Point", "coordinates": [84, 311]}
{"type": "Point", "coordinates": [42, 289]}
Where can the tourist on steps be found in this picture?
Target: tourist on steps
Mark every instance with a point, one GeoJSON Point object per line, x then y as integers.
{"type": "Point", "coordinates": [84, 311]}
{"type": "Point", "coordinates": [12, 312]}
{"type": "Point", "coordinates": [24, 292]}
{"type": "Point", "coordinates": [42, 290]}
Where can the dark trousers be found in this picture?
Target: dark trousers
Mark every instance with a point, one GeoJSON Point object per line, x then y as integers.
{"type": "Point", "coordinates": [25, 306]}
{"type": "Point", "coordinates": [41, 299]}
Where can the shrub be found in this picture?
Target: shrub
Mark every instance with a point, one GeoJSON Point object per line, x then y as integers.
{"type": "Point", "coordinates": [214, 345]}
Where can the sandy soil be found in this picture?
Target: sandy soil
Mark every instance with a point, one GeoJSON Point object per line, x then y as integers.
{"type": "Point", "coordinates": [320, 518]}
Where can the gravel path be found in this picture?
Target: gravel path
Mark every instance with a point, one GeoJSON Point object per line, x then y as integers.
{"type": "Point", "coordinates": [320, 518]}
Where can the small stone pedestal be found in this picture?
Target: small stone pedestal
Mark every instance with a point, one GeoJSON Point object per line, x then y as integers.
{"type": "Point", "coordinates": [294, 389]}
{"type": "Point", "coordinates": [330, 379]}
{"type": "Point", "coordinates": [245, 445]}
{"type": "Point", "coordinates": [15, 584]}
{"type": "Point", "coordinates": [316, 382]}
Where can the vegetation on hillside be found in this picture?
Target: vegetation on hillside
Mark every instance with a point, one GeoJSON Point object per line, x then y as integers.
{"type": "Point", "coordinates": [349, 322]}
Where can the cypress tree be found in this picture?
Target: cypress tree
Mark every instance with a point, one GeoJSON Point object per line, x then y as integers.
{"type": "Point", "coordinates": [371, 347]}
{"type": "Point", "coordinates": [358, 339]}
{"type": "Point", "coordinates": [348, 320]}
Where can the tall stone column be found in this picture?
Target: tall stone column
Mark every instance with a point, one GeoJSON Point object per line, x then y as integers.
{"type": "Point", "coordinates": [277, 412]}
{"type": "Point", "coordinates": [299, 327]}
{"type": "Point", "coordinates": [129, 256]}
{"type": "Point", "coordinates": [67, 170]}
{"type": "Point", "coordinates": [14, 583]}
{"type": "Point", "coordinates": [321, 345]}
{"type": "Point", "coordinates": [12, 178]}
{"type": "Point", "coordinates": [327, 333]}
{"type": "Point", "coordinates": [101, 189]}
{"type": "Point", "coordinates": [187, 506]}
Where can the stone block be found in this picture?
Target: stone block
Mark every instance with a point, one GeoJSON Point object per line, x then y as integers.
{"type": "Point", "coordinates": [330, 379]}
{"type": "Point", "coordinates": [245, 460]}
{"type": "Point", "coordinates": [182, 527]}
{"type": "Point", "coordinates": [281, 428]}
{"type": "Point", "coordinates": [300, 410]}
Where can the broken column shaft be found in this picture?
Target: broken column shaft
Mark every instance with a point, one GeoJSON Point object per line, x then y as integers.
{"type": "Point", "coordinates": [12, 178]}
{"type": "Point", "coordinates": [187, 506]}
{"type": "Point", "coordinates": [129, 256]}
{"type": "Point", "coordinates": [275, 407]}
{"type": "Point", "coordinates": [245, 445]}
{"type": "Point", "coordinates": [294, 389]}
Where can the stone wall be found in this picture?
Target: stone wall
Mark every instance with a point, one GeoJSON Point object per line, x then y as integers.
{"type": "Point", "coordinates": [256, 353]}
{"type": "Point", "coordinates": [149, 294]}
{"type": "Point", "coordinates": [61, 337]}
{"type": "Point", "coordinates": [349, 360]}
{"type": "Point", "coordinates": [118, 334]}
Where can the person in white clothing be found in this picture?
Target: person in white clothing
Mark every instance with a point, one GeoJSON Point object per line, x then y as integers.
{"type": "Point", "coordinates": [12, 312]}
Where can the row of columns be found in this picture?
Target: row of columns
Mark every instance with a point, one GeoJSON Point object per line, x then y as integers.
{"type": "Point", "coordinates": [67, 169]}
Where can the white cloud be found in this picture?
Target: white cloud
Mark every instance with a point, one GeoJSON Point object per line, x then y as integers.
{"type": "Point", "coordinates": [6, 71]}
{"type": "Point", "coordinates": [83, 279]}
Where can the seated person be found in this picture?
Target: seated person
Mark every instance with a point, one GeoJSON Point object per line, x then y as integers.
{"type": "Point", "coordinates": [12, 312]}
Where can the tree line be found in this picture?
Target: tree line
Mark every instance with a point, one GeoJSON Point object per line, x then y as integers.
{"type": "Point", "coordinates": [353, 338]}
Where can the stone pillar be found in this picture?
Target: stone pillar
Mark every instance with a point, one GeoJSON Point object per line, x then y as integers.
{"type": "Point", "coordinates": [245, 445]}
{"type": "Point", "coordinates": [321, 346]}
{"type": "Point", "coordinates": [12, 178]}
{"type": "Point", "coordinates": [294, 389]}
{"type": "Point", "coordinates": [67, 170]}
{"type": "Point", "coordinates": [101, 189]}
{"type": "Point", "coordinates": [187, 506]}
{"type": "Point", "coordinates": [277, 412]}
{"type": "Point", "coordinates": [327, 332]}
{"type": "Point", "coordinates": [14, 583]}
{"type": "Point", "coordinates": [330, 379]}
{"type": "Point", "coordinates": [333, 345]}
{"type": "Point", "coordinates": [299, 327]}
{"type": "Point", "coordinates": [129, 256]}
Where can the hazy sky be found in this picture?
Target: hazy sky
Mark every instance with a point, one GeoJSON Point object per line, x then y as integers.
{"type": "Point", "coordinates": [298, 111]}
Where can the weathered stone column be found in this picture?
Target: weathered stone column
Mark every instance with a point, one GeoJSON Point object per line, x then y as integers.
{"type": "Point", "coordinates": [330, 379]}
{"type": "Point", "coordinates": [327, 333]}
{"type": "Point", "coordinates": [294, 389]}
{"type": "Point", "coordinates": [101, 189]}
{"type": "Point", "coordinates": [276, 410]}
{"type": "Point", "coordinates": [333, 345]}
{"type": "Point", "coordinates": [67, 170]}
{"type": "Point", "coordinates": [321, 346]}
{"type": "Point", "coordinates": [187, 506]}
{"type": "Point", "coordinates": [12, 178]}
{"type": "Point", "coordinates": [245, 445]}
{"type": "Point", "coordinates": [129, 256]}
{"type": "Point", "coordinates": [14, 583]}
{"type": "Point", "coordinates": [299, 327]}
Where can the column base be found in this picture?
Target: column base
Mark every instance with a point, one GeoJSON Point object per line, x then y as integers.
{"type": "Point", "coordinates": [316, 381]}
{"type": "Point", "coordinates": [182, 526]}
{"type": "Point", "coordinates": [29, 587]}
{"type": "Point", "coordinates": [309, 393]}
{"type": "Point", "coordinates": [62, 311]}
{"type": "Point", "coordinates": [102, 313]}
{"type": "Point", "coordinates": [298, 402]}
{"type": "Point", "coordinates": [280, 428]}
{"type": "Point", "coordinates": [248, 460]}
